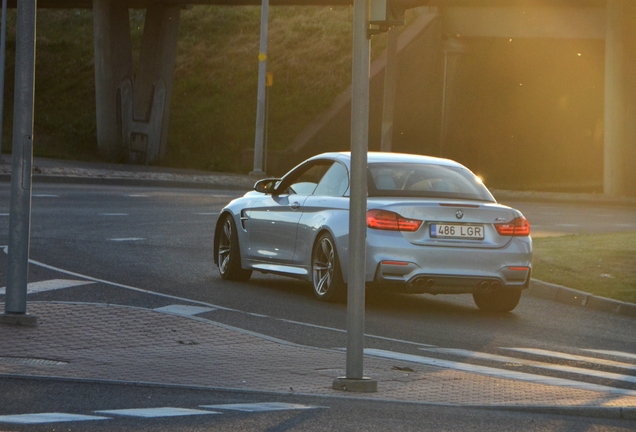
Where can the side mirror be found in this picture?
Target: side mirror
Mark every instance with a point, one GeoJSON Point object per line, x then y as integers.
{"type": "Point", "coordinates": [266, 186]}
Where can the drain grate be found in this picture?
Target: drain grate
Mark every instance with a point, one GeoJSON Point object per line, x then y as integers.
{"type": "Point", "coordinates": [25, 361]}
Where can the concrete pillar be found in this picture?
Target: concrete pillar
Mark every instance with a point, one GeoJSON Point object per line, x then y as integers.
{"type": "Point", "coordinates": [113, 63]}
{"type": "Point", "coordinates": [452, 51]}
{"type": "Point", "coordinates": [620, 99]}
{"type": "Point", "coordinates": [390, 81]}
{"type": "Point", "coordinates": [156, 69]}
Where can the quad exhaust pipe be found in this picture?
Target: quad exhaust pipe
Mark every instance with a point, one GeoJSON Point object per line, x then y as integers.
{"type": "Point", "coordinates": [424, 283]}
{"type": "Point", "coordinates": [488, 286]}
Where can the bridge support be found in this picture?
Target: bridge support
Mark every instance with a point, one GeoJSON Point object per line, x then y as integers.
{"type": "Point", "coordinates": [133, 110]}
{"type": "Point", "coordinates": [620, 99]}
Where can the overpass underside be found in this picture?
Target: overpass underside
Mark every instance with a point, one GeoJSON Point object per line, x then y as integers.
{"type": "Point", "coordinates": [133, 109]}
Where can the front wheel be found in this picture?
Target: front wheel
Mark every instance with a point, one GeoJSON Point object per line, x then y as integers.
{"type": "Point", "coordinates": [327, 277]}
{"type": "Point", "coordinates": [499, 300]}
{"type": "Point", "coordinates": [229, 253]}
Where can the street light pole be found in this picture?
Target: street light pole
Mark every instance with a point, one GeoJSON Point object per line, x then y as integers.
{"type": "Point", "coordinates": [260, 103]}
{"type": "Point", "coordinates": [22, 163]}
{"type": "Point", "coordinates": [3, 55]}
{"type": "Point", "coordinates": [354, 379]}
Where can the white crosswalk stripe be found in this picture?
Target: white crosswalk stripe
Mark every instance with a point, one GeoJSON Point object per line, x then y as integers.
{"type": "Point", "coordinates": [613, 353]}
{"type": "Point", "coordinates": [536, 364]}
{"type": "Point", "coordinates": [565, 356]}
{"type": "Point", "coordinates": [500, 373]}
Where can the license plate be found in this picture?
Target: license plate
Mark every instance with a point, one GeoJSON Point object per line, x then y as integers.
{"type": "Point", "coordinates": [459, 231]}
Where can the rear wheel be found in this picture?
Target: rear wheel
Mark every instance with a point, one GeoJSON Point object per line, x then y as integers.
{"type": "Point", "coordinates": [499, 300]}
{"type": "Point", "coordinates": [327, 277]}
{"type": "Point", "coordinates": [229, 253]}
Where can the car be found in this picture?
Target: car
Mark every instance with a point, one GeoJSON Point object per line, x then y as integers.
{"type": "Point", "coordinates": [432, 227]}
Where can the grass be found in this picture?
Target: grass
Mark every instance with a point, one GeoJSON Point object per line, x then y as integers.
{"type": "Point", "coordinates": [601, 264]}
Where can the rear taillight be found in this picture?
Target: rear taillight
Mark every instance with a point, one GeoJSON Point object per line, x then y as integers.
{"type": "Point", "coordinates": [388, 220]}
{"type": "Point", "coordinates": [517, 227]}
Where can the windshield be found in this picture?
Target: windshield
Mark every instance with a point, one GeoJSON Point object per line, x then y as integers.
{"type": "Point", "coordinates": [425, 181]}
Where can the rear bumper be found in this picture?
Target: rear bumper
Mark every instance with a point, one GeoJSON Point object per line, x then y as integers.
{"type": "Point", "coordinates": [399, 266]}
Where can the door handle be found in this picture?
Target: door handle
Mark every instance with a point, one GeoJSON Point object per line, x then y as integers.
{"type": "Point", "coordinates": [295, 205]}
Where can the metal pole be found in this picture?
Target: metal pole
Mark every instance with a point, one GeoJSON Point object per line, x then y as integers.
{"type": "Point", "coordinates": [390, 79]}
{"type": "Point", "coordinates": [354, 380]}
{"type": "Point", "coordinates": [3, 55]}
{"type": "Point", "coordinates": [22, 162]}
{"type": "Point", "coordinates": [260, 102]}
{"type": "Point", "coordinates": [442, 135]}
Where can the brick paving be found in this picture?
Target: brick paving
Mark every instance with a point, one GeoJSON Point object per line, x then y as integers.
{"type": "Point", "coordinates": [118, 343]}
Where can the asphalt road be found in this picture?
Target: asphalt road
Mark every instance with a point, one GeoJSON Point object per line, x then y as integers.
{"type": "Point", "coordinates": [160, 240]}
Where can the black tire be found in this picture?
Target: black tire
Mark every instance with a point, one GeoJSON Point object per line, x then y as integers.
{"type": "Point", "coordinates": [326, 275]}
{"type": "Point", "coordinates": [229, 253]}
{"type": "Point", "coordinates": [499, 300]}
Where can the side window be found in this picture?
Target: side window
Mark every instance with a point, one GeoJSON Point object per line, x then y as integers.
{"type": "Point", "coordinates": [335, 181]}
{"type": "Point", "coordinates": [305, 180]}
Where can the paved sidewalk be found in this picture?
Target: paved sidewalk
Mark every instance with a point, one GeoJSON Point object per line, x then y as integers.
{"type": "Point", "coordinates": [133, 345]}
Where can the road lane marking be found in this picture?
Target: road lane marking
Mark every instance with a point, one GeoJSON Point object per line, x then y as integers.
{"type": "Point", "coordinates": [137, 195]}
{"type": "Point", "coordinates": [532, 363]}
{"type": "Point", "coordinates": [127, 239]}
{"type": "Point", "coordinates": [183, 310]}
{"type": "Point", "coordinates": [565, 356]}
{"type": "Point", "coordinates": [44, 196]}
{"type": "Point", "coordinates": [4, 214]}
{"type": "Point", "coordinates": [156, 412]}
{"type": "Point", "coordinates": [141, 290]}
{"type": "Point", "coordinates": [498, 373]}
{"type": "Point", "coordinates": [262, 407]}
{"type": "Point", "coordinates": [47, 418]}
{"type": "Point", "coordinates": [49, 285]}
{"type": "Point", "coordinates": [344, 331]}
{"type": "Point", "coordinates": [613, 353]}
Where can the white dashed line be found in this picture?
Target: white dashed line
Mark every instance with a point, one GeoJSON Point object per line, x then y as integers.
{"type": "Point", "coordinates": [262, 407]}
{"type": "Point", "coordinates": [184, 310]}
{"type": "Point", "coordinates": [126, 239]}
{"type": "Point", "coordinates": [47, 418]}
{"type": "Point", "coordinates": [156, 412]}
{"type": "Point", "coordinates": [49, 285]}
{"type": "Point", "coordinates": [137, 195]}
{"type": "Point", "coordinates": [45, 196]}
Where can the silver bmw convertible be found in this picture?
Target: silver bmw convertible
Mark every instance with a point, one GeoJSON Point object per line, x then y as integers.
{"type": "Point", "coordinates": [432, 227]}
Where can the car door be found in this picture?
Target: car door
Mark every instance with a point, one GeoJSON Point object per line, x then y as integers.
{"type": "Point", "coordinates": [327, 206]}
{"type": "Point", "coordinates": [272, 222]}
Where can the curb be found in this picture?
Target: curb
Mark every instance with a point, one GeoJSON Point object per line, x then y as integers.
{"type": "Point", "coordinates": [572, 297]}
{"type": "Point", "coordinates": [623, 413]}
{"type": "Point", "coordinates": [590, 411]}
{"type": "Point", "coordinates": [120, 181]}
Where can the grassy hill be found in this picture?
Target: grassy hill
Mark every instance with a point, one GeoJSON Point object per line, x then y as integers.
{"type": "Point", "coordinates": [214, 98]}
